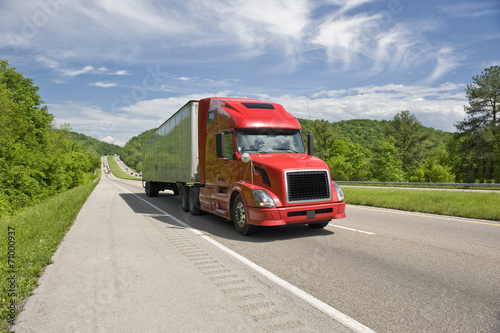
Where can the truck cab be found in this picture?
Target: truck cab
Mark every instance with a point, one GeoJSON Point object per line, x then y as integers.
{"type": "Point", "coordinates": [255, 169]}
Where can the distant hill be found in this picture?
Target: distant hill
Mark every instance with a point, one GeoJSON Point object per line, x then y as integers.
{"type": "Point", "coordinates": [366, 132]}
{"type": "Point", "coordinates": [95, 147]}
{"type": "Point", "coordinates": [131, 153]}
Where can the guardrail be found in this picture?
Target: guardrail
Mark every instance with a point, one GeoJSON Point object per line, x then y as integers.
{"type": "Point", "coordinates": [346, 182]}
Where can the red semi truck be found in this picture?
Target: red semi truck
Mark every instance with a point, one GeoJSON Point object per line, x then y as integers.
{"type": "Point", "coordinates": [242, 159]}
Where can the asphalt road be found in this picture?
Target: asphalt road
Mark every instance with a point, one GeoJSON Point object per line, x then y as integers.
{"type": "Point", "coordinates": [128, 266]}
{"type": "Point", "coordinates": [392, 271]}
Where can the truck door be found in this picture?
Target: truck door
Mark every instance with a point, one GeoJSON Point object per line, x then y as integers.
{"type": "Point", "coordinates": [225, 170]}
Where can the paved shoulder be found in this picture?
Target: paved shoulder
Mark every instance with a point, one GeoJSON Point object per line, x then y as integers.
{"type": "Point", "coordinates": [125, 267]}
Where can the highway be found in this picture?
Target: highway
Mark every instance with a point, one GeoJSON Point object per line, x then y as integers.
{"type": "Point", "coordinates": [390, 270]}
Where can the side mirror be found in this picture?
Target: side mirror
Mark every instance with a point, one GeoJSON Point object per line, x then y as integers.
{"type": "Point", "coordinates": [310, 144]}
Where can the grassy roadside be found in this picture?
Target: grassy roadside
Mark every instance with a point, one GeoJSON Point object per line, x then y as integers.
{"type": "Point", "coordinates": [480, 205]}
{"type": "Point", "coordinates": [27, 242]}
{"type": "Point", "coordinates": [118, 172]}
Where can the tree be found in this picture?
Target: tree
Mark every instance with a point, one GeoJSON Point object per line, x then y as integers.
{"type": "Point", "coordinates": [348, 161]}
{"type": "Point", "coordinates": [408, 136]}
{"type": "Point", "coordinates": [25, 95]}
{"type": "Point", "coordinates": [479, 133]}
{"type": "Point", "coordinates": [131, 153]}
{"type": "Point", "coordinates": [386, 167]}
{"type": "Point", "coordinates": [36, 161]}
{"type": "Point", "coordinates": [484, 102]}
{"type": "Point", "coordinates": [436, 168]}
{"type": "Point", "coordinates": [323, 138]}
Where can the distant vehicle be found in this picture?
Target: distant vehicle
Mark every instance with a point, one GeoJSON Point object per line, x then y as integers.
{"type": "Point", "coordinates": [244, 160]}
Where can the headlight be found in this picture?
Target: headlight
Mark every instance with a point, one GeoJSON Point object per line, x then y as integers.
{"type": "Point", "coordinates": [263, 199]}
{"type": "Point", "coordinates": [340, 193]}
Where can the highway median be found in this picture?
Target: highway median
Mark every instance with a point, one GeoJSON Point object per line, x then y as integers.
{"type": "Point", "coordinates": [118, 172]}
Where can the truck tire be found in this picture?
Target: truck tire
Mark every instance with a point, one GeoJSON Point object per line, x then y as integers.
{"type": "Point", "coordinates": [183, 195]}
{"type": "Point", "coordinates": [154, 190]}
{"type": "Point", "coordinates": [148, 189]}
{"type": "Point", "coordinates": [194, 201]}
{"type": "Point", "coordinates": [240, 217]}
{"type": "Point", "coordinates": [318, 225]}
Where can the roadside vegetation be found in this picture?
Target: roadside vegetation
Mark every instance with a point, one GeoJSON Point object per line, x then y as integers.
{"type": "Point", "coordinates": [46, 176]}
{"type": "Point", "coordinates": [37, 232]}
{"type": "Point", "coordinates": [118, 172]}
{"type": "Point", "coordinates": [131, 153]}
{"type": "Point", "coordinates": [471, 204]}
{"type": "Point", "coordinates": [37, 160]}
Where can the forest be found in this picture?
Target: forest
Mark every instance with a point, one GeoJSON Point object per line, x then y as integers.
{"type": "Point", "coordinates": [38, 160]}
{"type": "Point", "coordinates": [402, 149]}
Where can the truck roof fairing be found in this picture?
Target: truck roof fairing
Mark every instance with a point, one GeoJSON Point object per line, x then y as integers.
{"type": "Point", "coordinates": [256, 113]}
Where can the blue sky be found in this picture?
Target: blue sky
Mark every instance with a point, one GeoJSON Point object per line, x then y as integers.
{"type": "Point", "coordinates": [114, 68]}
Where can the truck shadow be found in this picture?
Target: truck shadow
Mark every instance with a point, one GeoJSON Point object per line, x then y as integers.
{"type": "Point", "coordinates": [223, 228]}
{"type": "Point", "coordinates": [212, 224]}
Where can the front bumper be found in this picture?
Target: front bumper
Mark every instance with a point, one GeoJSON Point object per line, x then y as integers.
{"type": "Point", "coordinates": [295, 214]}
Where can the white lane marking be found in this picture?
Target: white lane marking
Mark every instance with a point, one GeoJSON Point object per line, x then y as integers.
{"type": "Point", "coordinates": [313, 301]}
{"type": "Point", "coordinates": [351, 229]}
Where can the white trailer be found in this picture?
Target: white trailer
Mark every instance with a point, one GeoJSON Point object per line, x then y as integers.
{"type": "Point", "coordinates": [170, 154]}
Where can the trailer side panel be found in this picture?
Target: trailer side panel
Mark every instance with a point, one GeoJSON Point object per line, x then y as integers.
{"type": "Point", "coordinates": [170, 154]}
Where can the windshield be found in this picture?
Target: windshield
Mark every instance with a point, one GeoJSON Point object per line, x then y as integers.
{"type": "Point", "coordinates": [269, 140]}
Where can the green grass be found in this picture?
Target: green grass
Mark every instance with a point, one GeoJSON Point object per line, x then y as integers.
{"type": "Point", "coordinates": [118, 172]}
{"type": "Point", "coordinates": [480, 205]}
{"type": "Point", "coordinates": [38, 231]}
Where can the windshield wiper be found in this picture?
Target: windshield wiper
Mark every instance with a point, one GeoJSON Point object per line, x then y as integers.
{"type": "Point", "coordinates": [292, 150]}
{"type": "Point", "coordinates": [255, 150]}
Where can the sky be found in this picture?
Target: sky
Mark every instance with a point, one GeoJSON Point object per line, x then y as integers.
{"type": "Point", "coordinates": [115, 68]}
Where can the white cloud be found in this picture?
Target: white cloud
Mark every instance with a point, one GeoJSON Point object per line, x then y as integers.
{"type": "Point", "coordinates": [447, 59]}
{"type": "Point", "coordinates": [110, 139]}
{"type": "Point", "coordinates": [104, 84]}
{"type": "Point", "coordinates": [344, 38]}
{"type": "Point", "coordinates": [341, 32]}
{"type": "Point", "coordinates": [473, 9]}
{"type": "Point", "coordinates": [75, 72]}
{"type": "Point", "coordinates": [93, 121]}
{"type": "Point", "coordinates": [55, 65]}
{"type": "Point", "coordinates": [120, 72]}
{"type": "Point", "coordinates": [439, 107]}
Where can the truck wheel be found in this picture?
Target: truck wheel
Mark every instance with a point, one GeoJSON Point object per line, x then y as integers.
{"type": "Point", "coordinates": [240, 218]}
{"type": "Point", "coordinates": [148, 189]}
{"type": "Point", "coordinates": [183, 195]}
{"type": "Point", "coordinates": [154, 190]}
{"type": "Point", "coordinates": [318, 225]}
{"type": "Point", "coordinates": [194, 201]}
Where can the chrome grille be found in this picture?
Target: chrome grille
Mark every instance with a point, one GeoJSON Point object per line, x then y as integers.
{"type": "Point", "coordinates": [307, 186]}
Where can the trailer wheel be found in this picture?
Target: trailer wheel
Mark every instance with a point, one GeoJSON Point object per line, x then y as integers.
{"type": "Point", "coordinates": [240, 217]}
{"type": "Point", "coordinates": [318, 225]}
{"type": "Point", "coordinates": [183, 194]}
{"type": "Point", "coordinates": [148, 189]}
{"type": "Point", "coordinates": [194, 201]}
{"type": "Point", "coordinates": [154, 190]}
